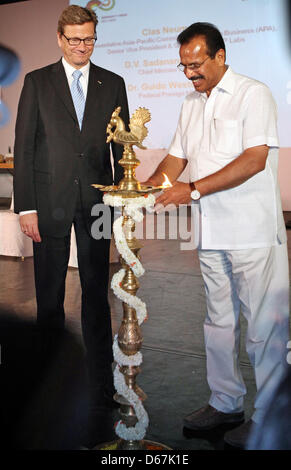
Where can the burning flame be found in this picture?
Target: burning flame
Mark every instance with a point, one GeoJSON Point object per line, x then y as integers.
{"type": "Point", "coordinates": [166, 183]}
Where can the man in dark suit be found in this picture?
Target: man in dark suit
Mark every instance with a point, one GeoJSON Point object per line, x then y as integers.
{"type": "Point", "coordinates": [60, 150]}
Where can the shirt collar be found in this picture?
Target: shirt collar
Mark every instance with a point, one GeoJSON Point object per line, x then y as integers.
{"type": "Point", "coordinates": [227, 83]}
{"type": "Point", "coordinates": [69, 69]}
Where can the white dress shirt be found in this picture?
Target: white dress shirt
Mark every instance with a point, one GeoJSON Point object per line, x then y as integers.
{"type": "Point", "coordinates": [69, 70]}
{"type": "Point", "coordinates": [239, 113]}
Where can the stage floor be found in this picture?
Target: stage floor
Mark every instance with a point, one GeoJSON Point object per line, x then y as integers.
{"type": "Point", "coordinates": [173, 370]}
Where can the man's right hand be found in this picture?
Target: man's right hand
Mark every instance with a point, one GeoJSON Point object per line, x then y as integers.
{"type": "Point", "coordinates": [29, 226]}
{"type": "Point", "coordinates": [149, 182]}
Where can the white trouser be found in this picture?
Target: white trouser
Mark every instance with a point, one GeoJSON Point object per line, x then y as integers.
{"type": "Point", "coordinates": [255, 282]}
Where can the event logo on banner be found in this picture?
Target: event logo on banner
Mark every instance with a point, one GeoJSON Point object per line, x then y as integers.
{"type": "Point", "coordinates": [106, 5]}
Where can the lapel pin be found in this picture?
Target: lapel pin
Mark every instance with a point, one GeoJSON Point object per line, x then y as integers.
{"type": "Point", "coordinates": [100, 83]}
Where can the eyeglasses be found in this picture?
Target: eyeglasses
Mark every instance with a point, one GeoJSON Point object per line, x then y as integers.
{"type": "Point", "coordinates": [77, 41]}
{"type": "Point", "coordinates": [191, 67]}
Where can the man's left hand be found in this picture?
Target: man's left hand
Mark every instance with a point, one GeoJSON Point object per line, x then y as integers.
{"type": "Point", "coordinates": [179, 193]}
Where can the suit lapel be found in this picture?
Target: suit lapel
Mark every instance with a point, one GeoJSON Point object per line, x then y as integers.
{"type": "Point", "coordinates": [60, 82]}
{"type": "Point", "coordinates": [94, 95]}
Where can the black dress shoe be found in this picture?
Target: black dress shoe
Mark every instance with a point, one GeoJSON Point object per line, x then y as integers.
{"type": "Point", "coordinates": [238, 437]}
{"type": "Point", "coordinates": [207, 418]}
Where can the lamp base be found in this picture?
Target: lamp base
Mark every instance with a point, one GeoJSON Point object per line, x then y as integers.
{"type": "Point", "coordinates": [120, 444]}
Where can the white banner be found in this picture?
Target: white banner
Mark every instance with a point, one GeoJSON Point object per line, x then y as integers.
{"type": "Point", "coordinates": [137, 40]}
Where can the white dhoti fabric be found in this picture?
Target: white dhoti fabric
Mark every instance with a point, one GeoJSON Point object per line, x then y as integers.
{"type": "Point", "coordinates": [254, 282]}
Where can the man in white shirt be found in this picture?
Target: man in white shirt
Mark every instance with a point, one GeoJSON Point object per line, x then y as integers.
{"type": "Point", "coordinates": [227, 132]}
{"type": "Point", "coordinates": [60, 151]}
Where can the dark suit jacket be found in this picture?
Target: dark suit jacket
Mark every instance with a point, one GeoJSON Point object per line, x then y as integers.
{"type": "Point", "coordinates": [53, 158]}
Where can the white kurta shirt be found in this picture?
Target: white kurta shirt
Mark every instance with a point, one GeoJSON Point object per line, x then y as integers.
{"type": "Point", "coordinates": [239, 113]}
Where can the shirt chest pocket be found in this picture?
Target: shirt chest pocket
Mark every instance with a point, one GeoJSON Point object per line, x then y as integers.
{"type": "Point", "coordinates": [227, 136]}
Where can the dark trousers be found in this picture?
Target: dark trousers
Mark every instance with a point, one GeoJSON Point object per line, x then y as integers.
{"type": "Point", "coordinates": [51, 258]}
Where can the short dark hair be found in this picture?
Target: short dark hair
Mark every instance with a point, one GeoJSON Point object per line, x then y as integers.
{"type": "Point", "coordinates": [213, 37]}
{"type": "Point", "coordinates": [74, 14]}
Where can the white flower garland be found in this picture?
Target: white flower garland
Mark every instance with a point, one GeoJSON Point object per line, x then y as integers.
{"type": "Point", "coordinates": [124, 250]}
{"type": "Point", "coordinates": [131, 205]}
{"type": "Point", "coordinates": [132, 300]}
{"type": "Point", "coordinates": [132, 208]}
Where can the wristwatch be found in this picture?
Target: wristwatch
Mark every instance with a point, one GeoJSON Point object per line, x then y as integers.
{"type": "Point", "coordinates": [195, 195]}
